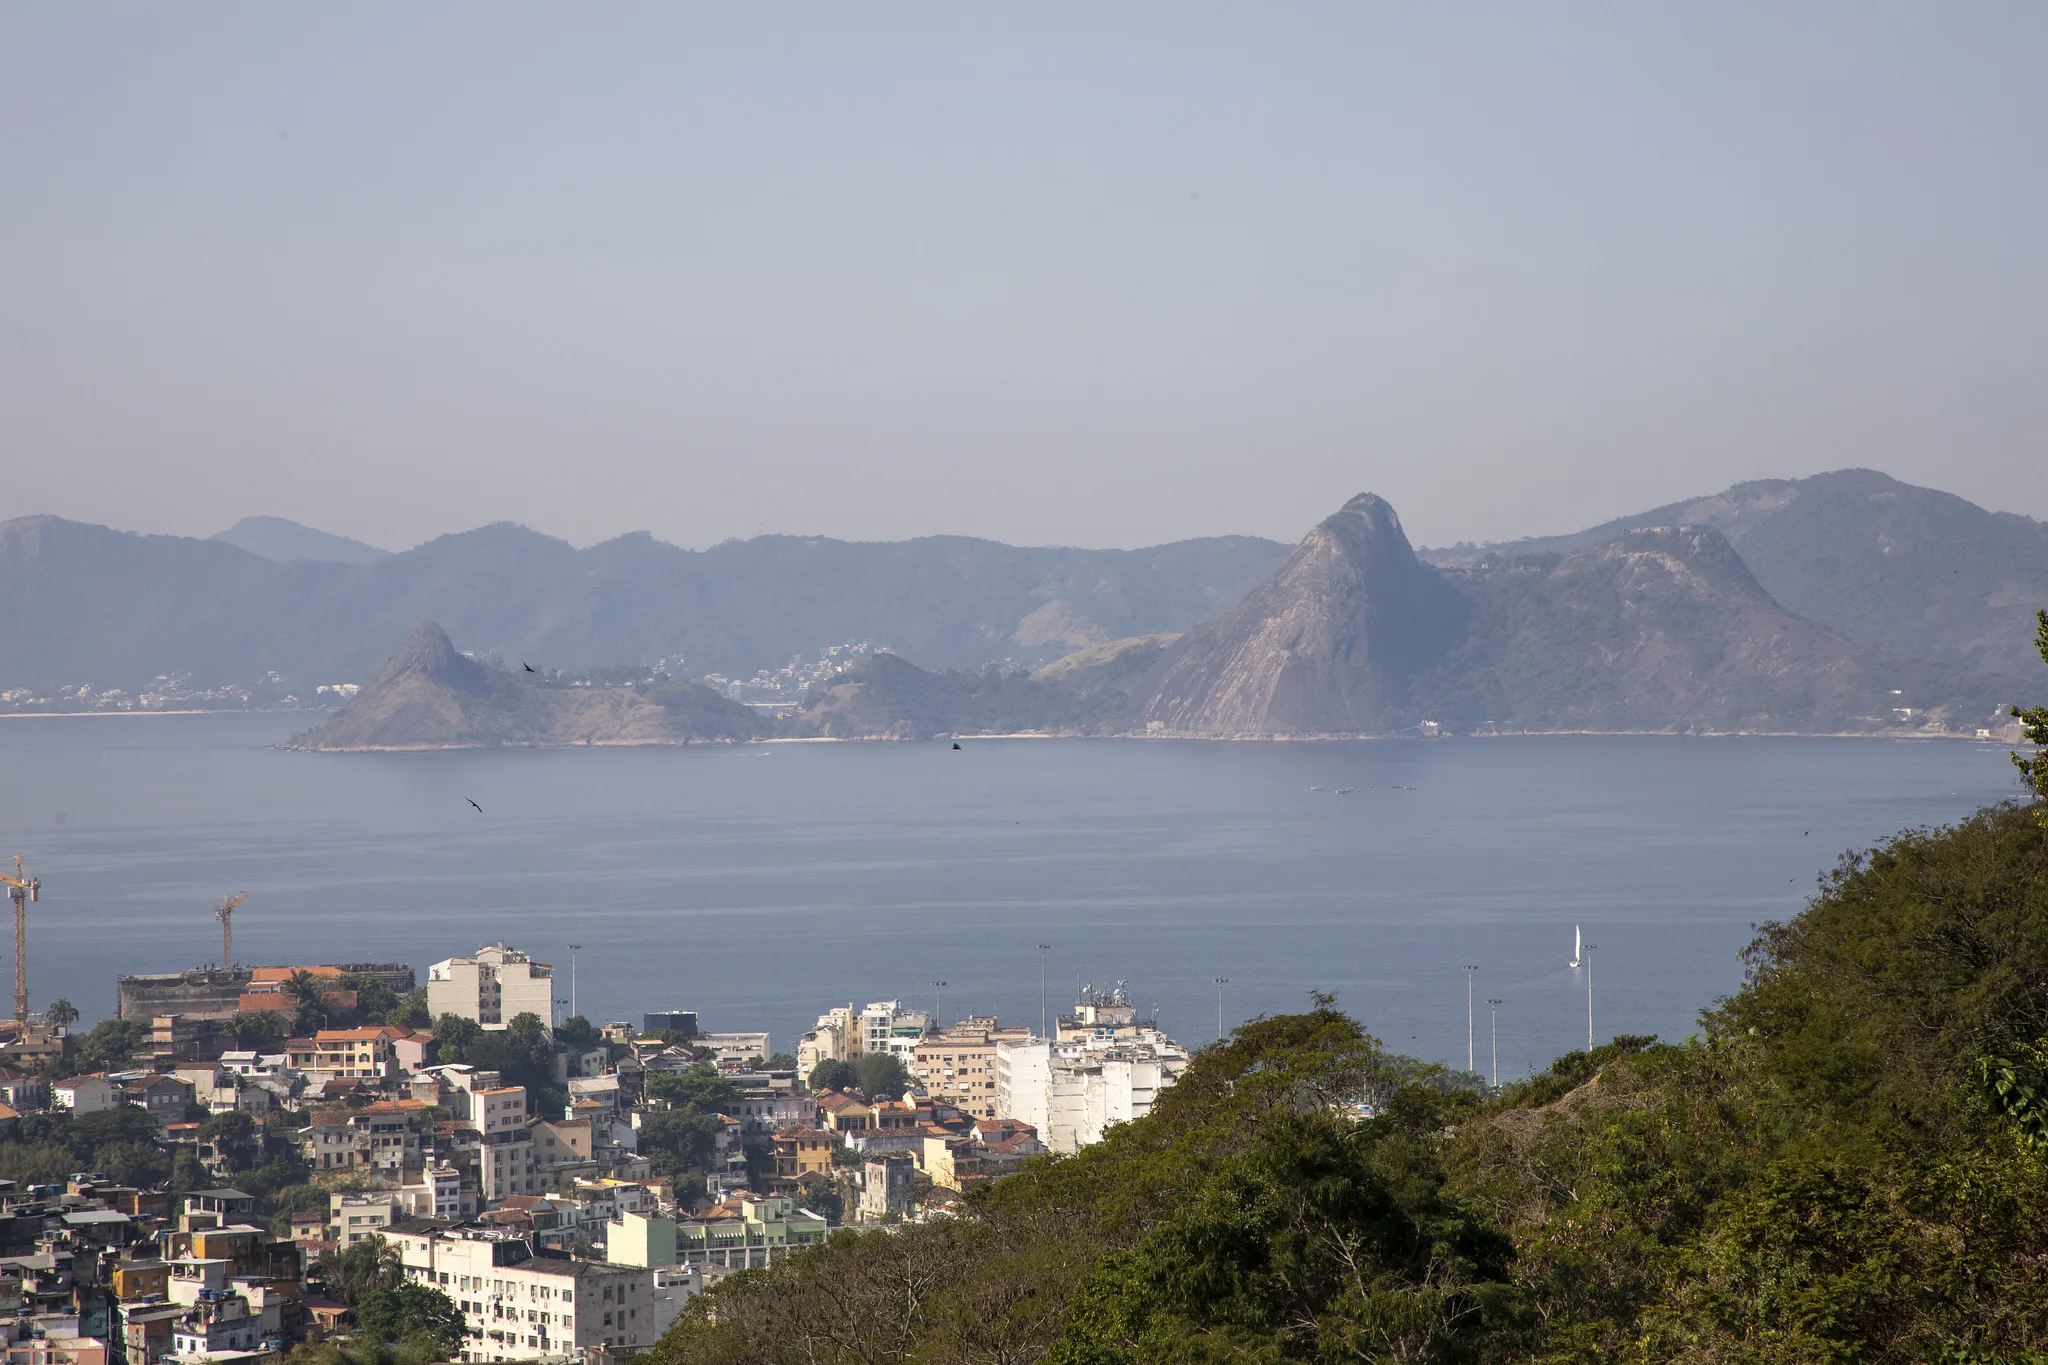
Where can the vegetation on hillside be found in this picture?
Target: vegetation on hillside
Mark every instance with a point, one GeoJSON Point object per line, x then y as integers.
{"type": "Point", "coordinates": [1847, 1163]}
{"type": "Point", "coordinates": [887, 696]}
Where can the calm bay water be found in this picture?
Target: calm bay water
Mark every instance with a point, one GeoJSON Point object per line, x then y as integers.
{"type": "Point", "coordinates": [761, 884]}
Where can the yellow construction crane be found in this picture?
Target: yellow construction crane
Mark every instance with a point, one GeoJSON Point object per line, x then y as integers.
{"type": "Point", "coordinates": [226, 916]}
{"type": "Point", "coordinates": [21, 889]}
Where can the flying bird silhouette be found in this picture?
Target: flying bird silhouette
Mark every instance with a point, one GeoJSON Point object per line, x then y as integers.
{"type": "Point", "coordinates": [472, 801]}
{"type": "Point", "coordinates": [528, 667]}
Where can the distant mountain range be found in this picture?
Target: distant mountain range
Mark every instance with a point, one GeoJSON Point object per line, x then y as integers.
{"type": "Point", "coordinates": [282, 541]}
{"type": "Point", "coordinates": [117, 609]}
{"type": "Point", "coordinates": [1911, 571]}
{"type": "Point", "coordinates": [1832, 602]}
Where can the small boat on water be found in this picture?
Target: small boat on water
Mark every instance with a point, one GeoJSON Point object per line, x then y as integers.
{"type": "Point", "coordinates": [1577, 950]}
{"type": "Point", "coordinates": [1346, 791]}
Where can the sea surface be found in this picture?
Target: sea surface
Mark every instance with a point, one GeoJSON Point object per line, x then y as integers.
{"type": "Point", "coordinates": [761, 884]}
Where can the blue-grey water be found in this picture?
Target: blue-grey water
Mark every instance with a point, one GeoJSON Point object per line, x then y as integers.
{"type": "Point", "coordinates": [761, 884]}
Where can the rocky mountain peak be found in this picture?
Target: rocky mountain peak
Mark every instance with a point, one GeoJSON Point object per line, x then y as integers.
{"type": "Point", "coordinates": [1325, 646]}
{"type": "Point", "coordinates": [430, 656]}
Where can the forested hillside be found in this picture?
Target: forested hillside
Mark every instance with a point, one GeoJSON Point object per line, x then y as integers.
{"type": "Point", "coordinates": [1847, 1163]}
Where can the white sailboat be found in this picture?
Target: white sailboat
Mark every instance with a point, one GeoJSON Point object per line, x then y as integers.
{"type": "Point", "coordinates": [1576, 949]}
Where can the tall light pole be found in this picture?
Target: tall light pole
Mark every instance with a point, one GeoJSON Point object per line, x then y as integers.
{"type": "Point", "coordinates": [1470, 968]}
{"type": "Point", "coordinates": [1493, 1018]}
{"type": "Point", "coordinates": [938, 1016]}
{"type": "Point", "coordinates": [1043, 949]}
{"type": "Point", "coordinates": [1589, 997]}
{"type": "Point", "coordinates": [574, 949]}
{"type": "Point", "coordinates": [1221, 982]}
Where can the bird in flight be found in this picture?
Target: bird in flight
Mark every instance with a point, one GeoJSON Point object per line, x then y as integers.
{"type": "Point", "coordinates": [472, 801]}
{"type": "Point", "coordinates": [528, 667]}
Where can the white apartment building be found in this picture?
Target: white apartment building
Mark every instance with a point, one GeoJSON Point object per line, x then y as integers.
{"type": "Point", "coordinates": [1071, 1092]}
{"type": "Point", "coordinates": [886, 1026]}
{"type": "Point", "coordinates": [518, 1306]}
{"type": "Point", "coordinates": [495, 987]}
{"type": "Point", "coordinates": [834, 1039]}
{"type": "Point", "coordinates": [505, 1160]}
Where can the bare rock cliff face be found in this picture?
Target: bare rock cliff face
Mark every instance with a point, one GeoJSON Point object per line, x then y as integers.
{"type": "Point", "coordinates": [1325, 646]}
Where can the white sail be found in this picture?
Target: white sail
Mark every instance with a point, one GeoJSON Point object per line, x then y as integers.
{"type": "Point", "coordinates": [1575, 947]}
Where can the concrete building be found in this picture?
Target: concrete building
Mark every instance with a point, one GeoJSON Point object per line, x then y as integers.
{"type": "Point", "coordinates": [835, 1038]}
{"type": "Point", "coordinates": [887, 1026]}
{"type": "Point", "coordinates": [354, 1217]}
{"type": "Point", "coordinates": [88, 1094]}
{"type": "Point", "coordinates": [1072, 1092]}
{"type": "Point", "coordinates": [958, 1066]}
{"type": "Point", "coordinates": [748, 1231]}
{"type": "Point", "coordinates": [495, 987]}
{"type": "Point", "coordinates": [505, 1162]}
{"type": "Point", "coordinates": [519, 1306]}
{"type": "Point", "coordinates": [350, 1054]}
{"type": "Point", "coordinates": [683, 1022]}
{"type": "Point", "coordinates": [385, 1137]}
{"type": "Point", "coordinates": [887, 1187]}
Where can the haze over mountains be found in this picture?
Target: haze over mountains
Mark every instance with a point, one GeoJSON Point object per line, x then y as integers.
{"type": "Point", "coordinates": [1799, 604]}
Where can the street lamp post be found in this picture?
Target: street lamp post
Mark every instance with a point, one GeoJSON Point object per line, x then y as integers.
{"type": "Point", "coordinates": [574, 949]}
{"type": "Point", "coordinates": [1470, 968]}
{"type": "Point", "coordinates": [1493, 1019]}
{"type": "Point", "coordinates": [938, 1016]}
{"type": "Point", "coordinates": [1221, 982]}
{"type": "Point", "coordinates": [1043, 949]}
{"type": "Point", "coordinates": [1589, 997]}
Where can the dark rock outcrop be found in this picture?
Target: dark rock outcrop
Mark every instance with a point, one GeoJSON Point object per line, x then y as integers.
{"type": "Point", "coordinates": [1327, 645]}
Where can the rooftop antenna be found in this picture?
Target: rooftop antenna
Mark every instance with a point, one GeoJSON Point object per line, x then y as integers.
{"type": "Point", "coordinates": [1043, 949]}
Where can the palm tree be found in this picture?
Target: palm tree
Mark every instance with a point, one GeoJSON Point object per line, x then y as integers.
{"type": "Point", "coordinates": [62, 1014]}
{"type": "Point", "coordinates": [305, 988]}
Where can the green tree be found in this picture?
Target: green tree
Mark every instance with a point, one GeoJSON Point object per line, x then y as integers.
{"type": "Point", "coordinates": [360, 1268]}
{"type": "Point", "coordinates": [110, 1046]}
{"type": "Point", "coordinates": [833, 1074]}
{"type": "Point", "coordinates": [698, 1089]}
{"type": "Point", "coordinates": [410, 1312]}
{"type": "Point", "coordinates": [577, 1032]}
{"type": "Point", "coordinates": [882, 1076]}
{"type": "Point", "coordinates": [309, 1012]}
{"type": "Point", "coordinates": [2034, 724]}
{"type": "Point", "coordinates": [677, 1141]}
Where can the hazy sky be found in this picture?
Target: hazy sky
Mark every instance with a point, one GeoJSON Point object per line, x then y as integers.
{"type": "Point", "coordinates": [1106, 275]}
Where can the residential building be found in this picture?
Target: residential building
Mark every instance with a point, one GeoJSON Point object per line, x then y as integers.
{"type": "Point", "coordinates": [384, 1136]}
{"type": "Point", "coordinates": [835, 1038]}
{"type": "Point", "coordinates": [165, 1098]}
{"type": "Point", "coordinates": [357, 1216]}
{"type": "Point", "coordinates": [493, 988]}
{"type": "Point", "coordinates": [748, 1231]}
{"type": "Point", "coordinates": [352, 1054]}
{"type": "Point", "coordinates": [505, 1161]}
{"type": "Point", "coordinates": [88, 1094]}
{"type": "Point", "coordinates": [180, 1040]}
{"type": "Point", "coordinates": [888, 1187]}
{"type": "Point", "coordinates": [958, 1065]}
{"type": "Point", "coordinates": [683, 1022]}
{"type": "Point", "coordinates": [1070, 1093]}
{"type": "Point", "coordinates": [889, 1026]}
{"type": "Point", "coordinates": [733, 1051]}
{"type": "Point", "coordinates": [802, 1151]}
{"type": "Point", "coordinates": [519, 1306]}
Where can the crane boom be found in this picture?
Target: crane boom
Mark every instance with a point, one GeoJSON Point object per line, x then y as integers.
{"type": "Point", "coordinates": [21, 889]}
{"type": "Point", "coordinates": [226, 916]}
